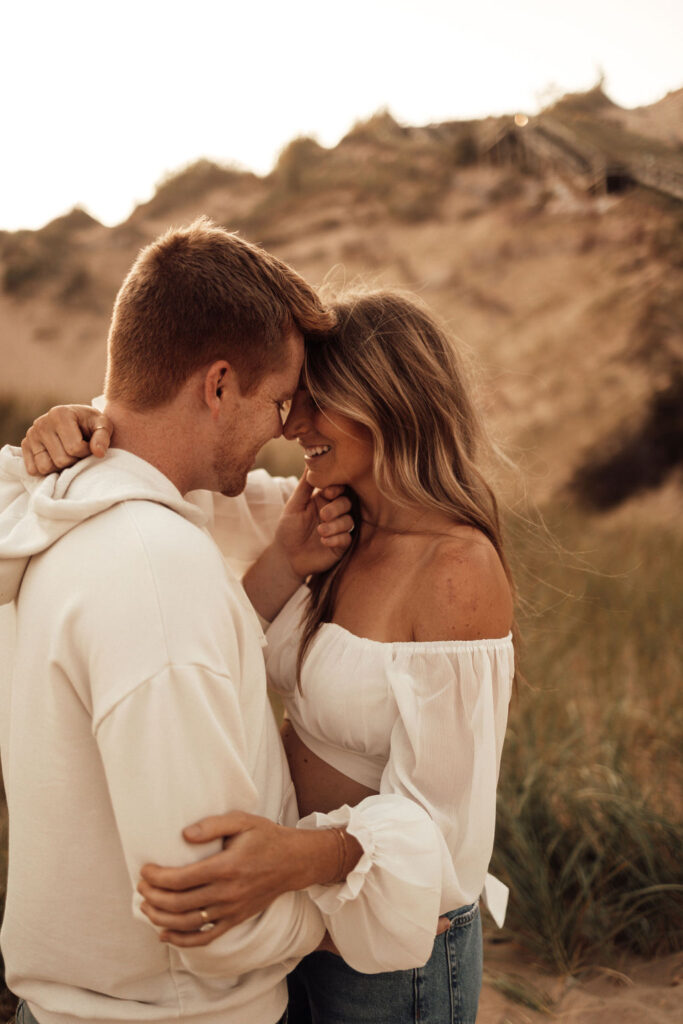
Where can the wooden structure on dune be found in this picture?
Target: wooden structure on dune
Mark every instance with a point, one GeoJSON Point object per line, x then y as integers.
{"type": "Point", "coordinates": [594, 156]}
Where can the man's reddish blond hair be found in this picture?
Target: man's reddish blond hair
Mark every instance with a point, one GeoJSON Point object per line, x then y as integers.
{"type": "Point", "coordinates": [198, 294]}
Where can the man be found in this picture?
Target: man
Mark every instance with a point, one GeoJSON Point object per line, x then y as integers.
{"type": "Point", "coordinates": [137, 701]}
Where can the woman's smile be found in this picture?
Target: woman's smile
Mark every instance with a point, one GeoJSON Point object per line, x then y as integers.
{"type": "Point", "coordinates": [315, 451]}
{"type": "Point", "coordinates": [337, 449]}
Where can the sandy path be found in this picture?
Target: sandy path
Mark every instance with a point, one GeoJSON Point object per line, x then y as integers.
{"type": "Point", "coordinates": [641, 992]}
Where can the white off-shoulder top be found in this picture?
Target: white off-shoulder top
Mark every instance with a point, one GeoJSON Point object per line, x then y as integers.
{"type": "Point", "coordinates": [422, 723]}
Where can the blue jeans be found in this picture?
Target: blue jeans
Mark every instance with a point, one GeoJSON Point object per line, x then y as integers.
{"type": "Point", "coordinates": [323, 989]}
{"type": "Point", "coordinates": [24, 1015]}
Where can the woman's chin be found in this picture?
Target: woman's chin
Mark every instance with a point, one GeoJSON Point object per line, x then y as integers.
{"type": "Point", "coordinates": [316, 478]}
{"type": "Point", "coordinates": [319, 478]}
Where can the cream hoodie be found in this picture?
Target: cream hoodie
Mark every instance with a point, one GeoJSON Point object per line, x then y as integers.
{"type": "Point", "coordinates": [133, 703]}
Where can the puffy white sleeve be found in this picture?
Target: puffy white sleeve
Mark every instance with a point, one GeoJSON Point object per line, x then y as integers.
{"type": "Point", "coordinates": [427, 837]}
{"type": "Point", "coordinates": [244, 525]}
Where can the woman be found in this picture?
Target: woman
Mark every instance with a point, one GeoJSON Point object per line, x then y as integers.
{"type": "Point", "coordinates": [395, 669]}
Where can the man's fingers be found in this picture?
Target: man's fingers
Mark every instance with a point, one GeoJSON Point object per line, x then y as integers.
{"type": "Point", "coordinates": [301, 495]}
{"type": "Point", "coordinates": [341, 527]}
{"type": "Point", "coordinates": [177, 902]}
{"type": "Point", "coordinates": [61, 427]}
{"type": "Point", "coordinates": [333, 491]}
{"type": "Point", "coordinates": [82, 430]}
{"type": "Point", "coordinates": [99, 442]}
{"type": "Point", "coordinates": [43, 461]}
{"type": "Point", "coordinates": [342, 524]}
{"type": "Point", "coordinates": [29, 461]}
{"type": "Point", "coordinates": [39, 450]}
{"type": "Point", "coordinates": [59, 457]}
{"type": "Point", "coordinates": [192, 922]}
{"type": "Point", "coordinates": [175, 879]}
{"type": "Point", "coordinates": [191, 939]}
{"type": "Point", "coordinates": [177, 922]}
{"type": "Point", "coordinates": [338, 543]}
{"type": "Point", "coordinates": [100, 437]}
{"type": "Point", "coordinates": [191, 929]}
{"type": "Point", "coordinates": [60, 438]}
{"type": "Point", "coordinates": [201, 872]}
{"type": "Point", "coordinates": [218, 826]}
{"type": "Point", "coordinates": [334, 509]}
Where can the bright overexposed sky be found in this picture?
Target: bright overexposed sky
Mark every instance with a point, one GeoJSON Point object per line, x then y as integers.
{"type": "Point", "coordinates": [100, 99]}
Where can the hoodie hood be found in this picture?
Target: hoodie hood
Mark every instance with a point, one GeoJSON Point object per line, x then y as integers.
{"type": "Point", "coordinates": [35, 512]}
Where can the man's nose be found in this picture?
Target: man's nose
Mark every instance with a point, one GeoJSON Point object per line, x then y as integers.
{"type": "Point", "coordinates": [278, 432]}
{"type": "Point", "coordinates": [297, 418]}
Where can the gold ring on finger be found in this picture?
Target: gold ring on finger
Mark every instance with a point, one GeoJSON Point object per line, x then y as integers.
{"type": "Point", "coordinates": [208, 923]}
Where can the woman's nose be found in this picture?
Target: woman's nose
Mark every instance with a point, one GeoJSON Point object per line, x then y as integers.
{"type": "Point", "coordinates": [298, 418]}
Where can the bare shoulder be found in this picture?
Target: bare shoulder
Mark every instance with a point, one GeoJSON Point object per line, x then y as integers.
{"type": "Point", "coordinates": [462, 592]}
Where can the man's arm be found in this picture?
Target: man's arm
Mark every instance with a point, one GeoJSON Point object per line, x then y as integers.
{"type": "Point", "coordinates": [177, 743]}
{"type": "Point", "coordinates": [180, 714]}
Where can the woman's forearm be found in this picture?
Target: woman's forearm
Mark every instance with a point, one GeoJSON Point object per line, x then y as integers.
{"type": "Point", "coordinates": [326, 856]}
{"type": "Point", "coordinates": [260, 861]}
{"type": "Point", "coordinates": [313, 533]}
{"type": "Point", "coordinates": [270, 582]}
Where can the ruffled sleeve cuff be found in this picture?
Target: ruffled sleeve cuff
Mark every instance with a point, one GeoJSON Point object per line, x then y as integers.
{"type": "Point", "coordinates": [331, 898]}
{"type": "Point", "coordinates": [383, 916]}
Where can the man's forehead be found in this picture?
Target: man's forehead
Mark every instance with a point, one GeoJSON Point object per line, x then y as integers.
{"type": "Point", "coordinates": [290, 372]}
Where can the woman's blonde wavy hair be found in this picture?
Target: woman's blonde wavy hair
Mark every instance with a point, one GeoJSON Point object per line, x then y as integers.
{"type": "Point", "coordinates": [389, 365]}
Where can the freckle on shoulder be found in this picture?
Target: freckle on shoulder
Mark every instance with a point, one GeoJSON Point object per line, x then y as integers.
{"type": "Point", "coordinates": [464, 593]}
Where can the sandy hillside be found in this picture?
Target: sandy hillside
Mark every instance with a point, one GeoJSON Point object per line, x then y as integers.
{"type": "Point", "coordinates": [568, 301]}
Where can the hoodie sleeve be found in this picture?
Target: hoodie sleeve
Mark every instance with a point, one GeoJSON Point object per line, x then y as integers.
{"type": "Point", "coordinates": [193, 760]}
{"type": "Point", "coordinates": [27, 525]}
{"type": "Point", "coordinates": [14, 498]}
{"type": "Point", "coordinates": [244, 525]}
{"type": "Point", "coordinates": [181, 717]}
{"type": "Point", "coordinates": [36, 512]}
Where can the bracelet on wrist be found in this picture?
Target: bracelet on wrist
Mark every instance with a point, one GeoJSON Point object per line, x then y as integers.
{"type": "Point", "coordinates": [340, 873]}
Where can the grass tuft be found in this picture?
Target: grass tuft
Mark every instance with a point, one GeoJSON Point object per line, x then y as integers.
{"type": "Point", "coordinates": [521, 991]}
{"type": "Point", "coordinates": [589, 830]}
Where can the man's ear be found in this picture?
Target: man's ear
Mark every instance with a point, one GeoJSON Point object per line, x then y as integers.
{"type": "Point", "coordinates": [219, 386]}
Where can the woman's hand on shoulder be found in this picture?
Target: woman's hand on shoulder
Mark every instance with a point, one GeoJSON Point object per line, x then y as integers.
{"type": "Point", "coordinates": [62, 436]}
{"type": "Point", "coordinates": [463, 593]}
